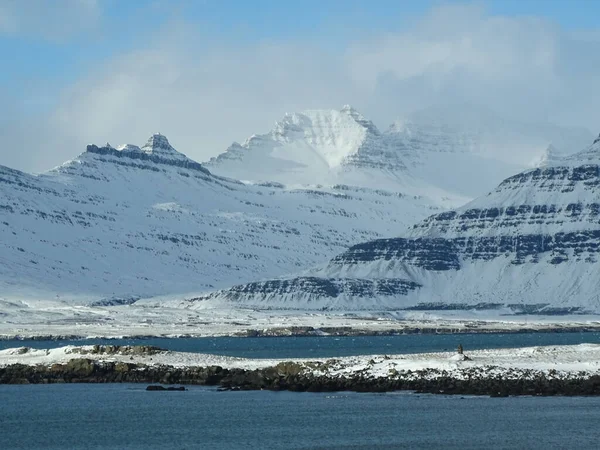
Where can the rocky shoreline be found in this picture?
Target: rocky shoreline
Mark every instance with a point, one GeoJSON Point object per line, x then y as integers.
{"type": "Point", "coordinates": [550, 370]}
{"type": "Point", "coordinates": [291, 376]}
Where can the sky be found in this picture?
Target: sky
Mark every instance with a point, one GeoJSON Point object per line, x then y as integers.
{"type": "Point", "coordinates": [206, 73]}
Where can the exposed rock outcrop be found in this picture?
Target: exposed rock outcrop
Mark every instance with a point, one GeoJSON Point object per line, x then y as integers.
{"type": "Point", "coordinates": [294, 377]}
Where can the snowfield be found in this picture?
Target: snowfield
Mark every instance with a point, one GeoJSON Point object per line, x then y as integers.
{"type": "Point", "coordinates": [157, 318]}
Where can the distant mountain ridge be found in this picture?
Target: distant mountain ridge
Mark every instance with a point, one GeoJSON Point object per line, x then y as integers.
{"type": "Point", "coordinates": [116, 224]}
{"type": "Point", "coordinates": [449, 163]}
{"type": "Point", "coordinates": [157, 150]}
{"type": "Point", "coordinates": [531, 245]}
{"type": "Point", "coordinates": [129, 222]}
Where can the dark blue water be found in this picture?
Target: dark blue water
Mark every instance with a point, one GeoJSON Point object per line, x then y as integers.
{"type": "Point", "coordinates": [308, 347]}
{"type": "Point", "coordinates": [127, 417]}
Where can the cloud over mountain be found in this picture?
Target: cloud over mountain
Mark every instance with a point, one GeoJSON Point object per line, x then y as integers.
{"type": "Point", "coordinates": [208, 91]}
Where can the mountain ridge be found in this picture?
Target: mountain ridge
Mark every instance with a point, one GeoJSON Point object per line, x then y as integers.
{"type": "Point", "coordinates": [128, 222]}
{"type": "Point", "coordinates": [533, 242]}
{"type": "Point", "coordinates": [432, 159]}
{"type": "Point", "coordinates": [147, 221]}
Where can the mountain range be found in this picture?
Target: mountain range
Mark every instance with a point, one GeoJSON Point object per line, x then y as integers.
{"type": "Point", "coordinates": [442, 157]}
{"type": "Point", "coordinates": [117, 224]}
{"type": "Point", "coordinates": [134, 222]}
{"type": "Point", "coordinates": [531, 245]}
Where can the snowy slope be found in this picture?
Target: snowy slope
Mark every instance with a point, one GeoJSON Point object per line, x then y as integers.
{"type": "Point", "coordinates": [137, 222]}
{"type": "Point", "coordinates": [328, 147]}
{"type": "Point", "coordinates": [532, 244]}
{"type": "Point", "coordinates": [315, 140]}
{"type": "Point", "coordinates": [448, 160]}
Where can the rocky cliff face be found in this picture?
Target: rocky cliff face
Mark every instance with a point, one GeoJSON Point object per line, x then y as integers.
{"type": "Point", "coordinates": [119, 224]}
{"type": "Point", "coordinates": [532, 244]}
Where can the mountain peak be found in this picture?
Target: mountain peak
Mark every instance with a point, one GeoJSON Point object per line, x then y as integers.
{"type": "Point", "coordinates": [158, 144]}
{"type": "Point", "coordinates": [301, 147]}
{"type": "Point", "coordinates": [157, 149]}
{"type": "Point", "coordinates": [324, 135]}
{"type": "Point", "coordinates": [301, 121]}
{"type": "Point", "coordinates": [550, 156]}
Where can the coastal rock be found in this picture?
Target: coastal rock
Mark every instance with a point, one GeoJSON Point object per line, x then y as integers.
{"type": "Point", "coordinates": [162, 388]}
{"type": "Point", "coordinates": [288, 376]}
{"type": "Point", "coordinates": [80, 367]}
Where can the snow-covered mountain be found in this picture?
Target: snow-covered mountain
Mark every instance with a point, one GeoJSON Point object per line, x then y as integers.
{"type": "Point", "coordinates": [446, 160]}
{"type": "Point", "coordinates": [129, 221]}
{"type": "Point", "coordinates": [530, 245]}
{"type": "Point", "coordinates": [549, 157]}
{"type": "Point", "coordinates": [133, 221]}
{"type": "Point", "coordinates": [503, 138]}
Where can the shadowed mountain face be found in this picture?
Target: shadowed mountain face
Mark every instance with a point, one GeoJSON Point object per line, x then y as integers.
{"type": "Point", "coordinates": [127, 222]}
{"type": "Point", "coordinates": [534, 241]}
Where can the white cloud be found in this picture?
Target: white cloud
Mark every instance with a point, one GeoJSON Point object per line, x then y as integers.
{"type": "Point", "coordinates": [201, 100]}
{"type": "Point", "coordinates": [204, 94]}
{"type": "Point", "coordinates": [460, 38]}
{"type": "Point", "coordinates": [460, 54]}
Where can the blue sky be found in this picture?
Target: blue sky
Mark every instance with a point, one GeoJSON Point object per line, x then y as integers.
{"type": "Point", "coordinates": [123, 25]}
{"type": "Point", "coordinates": [377, 55]}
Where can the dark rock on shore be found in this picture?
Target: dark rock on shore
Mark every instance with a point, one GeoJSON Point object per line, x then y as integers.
{"type": "Point", "coordinates": [162, 388]}
{"type": "Point", "coordinates": [120, 350]}
{"type": "Point", "coordinates": [292, 376]}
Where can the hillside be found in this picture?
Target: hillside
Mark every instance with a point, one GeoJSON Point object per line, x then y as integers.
{"type": "Point", "coordinates": [119, 224]}
{"type": "Point", "coordinates": [529, 246]}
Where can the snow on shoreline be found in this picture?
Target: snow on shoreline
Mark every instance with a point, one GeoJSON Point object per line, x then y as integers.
{"type": "Point", "coordinates": [571, 360]}
{"type": "Point", "coordinates": [150, 320]}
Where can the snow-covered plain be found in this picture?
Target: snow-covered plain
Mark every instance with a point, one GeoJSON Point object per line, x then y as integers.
{"type": "Point", "coordinates": [166, 318]}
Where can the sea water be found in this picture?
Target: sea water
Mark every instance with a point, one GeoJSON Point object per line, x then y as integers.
{"type": "Point", "coordinates": [122, 416]}
{"type": "Point", "coordinates": [331, 346]}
